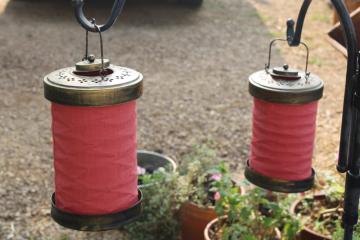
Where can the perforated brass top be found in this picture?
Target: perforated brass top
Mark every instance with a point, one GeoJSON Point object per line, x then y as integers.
{"type": "Point", "coordinates": [70, 86]}
{"type": "Point", "coordinates": [288, 86]}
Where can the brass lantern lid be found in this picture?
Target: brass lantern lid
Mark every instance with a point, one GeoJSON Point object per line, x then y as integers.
{"type": "Point", "coordinates": [93, 83]}
{"type": "Point", "coordinates": [285, 85]}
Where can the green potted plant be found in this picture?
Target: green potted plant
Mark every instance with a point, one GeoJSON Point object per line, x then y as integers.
{"type": "Point", "coordinates": [198, 175]}
{"type": "Point", "coordinates": [149, 162]}
{"type": "Point", "coordinates": [255, 215]}
{"type": "Point", "coordinates": [339, 233]}
{"type": "Point", "coordinates": [163, 196]}
{"type": "Point", "coordinates": [320, 210]}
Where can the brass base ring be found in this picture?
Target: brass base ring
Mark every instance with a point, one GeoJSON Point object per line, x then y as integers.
{"type": "Point", "coordinates": [96, 222]}
{"type": "Point", "coordinates": [279, 185]}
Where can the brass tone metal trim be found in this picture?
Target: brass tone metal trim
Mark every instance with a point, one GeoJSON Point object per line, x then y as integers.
{"type": "Point", "coordinates": [86, 66]}
{"type": "Point", "coordinates": [264, 87]}
{"type": "Point", "coordinates": [285, 76]}
{"type": "Point", "coordinates": [279, 185]}
{"type": "Point", "coordinates": [93, 96]}
{"type": "Point", "coordinates": [283, 97]}
{"type": "Point", "coordinates": [285, 71]}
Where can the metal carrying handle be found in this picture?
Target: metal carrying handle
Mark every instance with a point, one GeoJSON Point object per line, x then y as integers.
{"type": "Point", "coordinates": [101, 51]}
{"type": "Point", "coordinates": [267, 66]}
{"type": "Point", "coordinates": [88, 25]}
{"type": "Point", "coordinates": [86, 57]}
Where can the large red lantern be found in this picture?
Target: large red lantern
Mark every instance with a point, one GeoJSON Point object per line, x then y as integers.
{"type": "Point", "coordinates": [284, 123]}
{"type": "Point", "coordinates": [94, 134]}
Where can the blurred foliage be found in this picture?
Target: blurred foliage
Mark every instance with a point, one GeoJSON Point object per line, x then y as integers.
{"type": "Point", "coordinates": [195, 172]}
{"type": "Point", "coordinates": [168, 191]}
{"type": "Point", "coordinates": [254, 215]}
{"type": "Point", "coordinates": [162, 200]}
{"type": "Point", "coordinates": [339, 233]}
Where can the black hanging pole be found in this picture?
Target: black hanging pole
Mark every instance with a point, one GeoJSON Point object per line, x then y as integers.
{"type": "Point", "coordinates": [349, 152]}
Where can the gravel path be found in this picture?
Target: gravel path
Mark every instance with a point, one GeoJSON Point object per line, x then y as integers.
{"type": "Point", "coordinates": [195, 63]}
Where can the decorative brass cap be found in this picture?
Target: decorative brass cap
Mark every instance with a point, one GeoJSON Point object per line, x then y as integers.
{"type": "Point", "coordinates": [91, 65]}
{"type": "Point", "coordinates": [285, 85]}
{"type": "Point", "coordinates": [83, 85]}
{"type": "Point", "coordinates": [285, 72]}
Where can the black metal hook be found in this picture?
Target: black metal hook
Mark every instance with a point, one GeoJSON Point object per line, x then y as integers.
{"type": "Point", "coordinates": [294, 37]}
{"type": "Point", "coordinates": [88, 25]}
{"type": "Point", "coordinates": [349, 152]}
{"type": "Point", "coordinates": [349, 123]}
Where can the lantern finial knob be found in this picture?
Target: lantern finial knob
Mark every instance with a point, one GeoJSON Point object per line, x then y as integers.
{"type": "Point", "coordinates": [91, 58]}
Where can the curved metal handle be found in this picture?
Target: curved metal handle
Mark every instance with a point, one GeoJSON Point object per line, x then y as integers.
{"type": "Point", "coordinates": [267, 66]}
{"type": "Point", "coordinates": [88, 25]}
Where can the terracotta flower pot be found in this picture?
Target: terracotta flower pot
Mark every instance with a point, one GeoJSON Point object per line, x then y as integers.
{"type": "Point", "coordinates": [307, 233]}
{"type": "Point", "coordinates": [211, 224]}
{"type": "Point", "coordinates": [194, 219]}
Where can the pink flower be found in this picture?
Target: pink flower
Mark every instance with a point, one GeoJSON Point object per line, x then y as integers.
{"type": "Point", "coordinates": [217, 196]}
{"type": "Point", "coordinates": [140, 170]}
{"type": "Point", "coordinates": [216, 177]}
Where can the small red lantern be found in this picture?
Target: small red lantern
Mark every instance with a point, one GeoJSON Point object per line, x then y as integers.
{"type": "Point", "coordinates": [94, 133]}
{"type": "Point", "coordinates": [284, 124]}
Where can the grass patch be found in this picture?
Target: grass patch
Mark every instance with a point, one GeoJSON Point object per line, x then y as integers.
{"type": "Point", "coordinates": [277, 34]}
{"type": "Point", "coordinates": [319, 17]}
{"type": "Point", "coordinates": [264, 18]}
{"type": "Point", "coordinates": [316, 61]}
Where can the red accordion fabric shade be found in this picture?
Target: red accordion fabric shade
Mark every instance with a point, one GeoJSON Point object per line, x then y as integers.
{"type": "Point", "coordinates": [95, 158]}
{"type": "Point", "coordinates": [283, 139]}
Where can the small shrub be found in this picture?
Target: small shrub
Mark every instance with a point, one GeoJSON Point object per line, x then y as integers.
{"type": "Point", "coordinates": [161, 203]}
{"type": "Point", "coordinates": [197, 177]}
{"type": "Point", "coordinates": [254, 215]}
{"type": "Point", "coordinates": [339, 233]}
{"type": "Point", "coordinates": [323, 213]}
